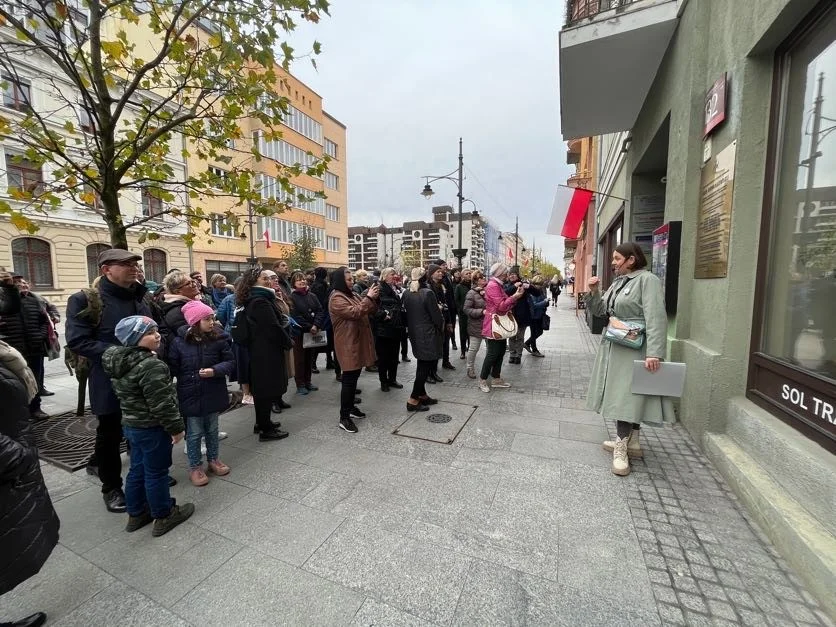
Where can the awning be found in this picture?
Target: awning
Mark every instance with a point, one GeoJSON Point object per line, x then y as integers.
{"type": "Point", "coordinates": [569, 211]}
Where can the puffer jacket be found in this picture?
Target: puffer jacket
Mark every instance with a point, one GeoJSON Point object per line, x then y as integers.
{"type": "Point", "coordinates": [225, 312]}
{"type": "Point", "coordinates": [474, 310]}
{"type": "Point", "coordinates": [200, 396]}
{"type": "Point", "coordinates": [27, 328]}
{"type": "Point", "coordinates": [143, 384]}
{"type": "Point", "coordinates": [425, 322]}
{"type": "Point", "coordinates": [28, 522]}
{"type": "Point", "coordinates": [173, 318]}
{"type": "Point", "coordinates": [537, 304]}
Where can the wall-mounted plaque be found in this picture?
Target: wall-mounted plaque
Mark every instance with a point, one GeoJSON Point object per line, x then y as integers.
{"type": "Point", "coordinates": [714, 222]}
{"type": "Point", "coordinates": [715, 105]}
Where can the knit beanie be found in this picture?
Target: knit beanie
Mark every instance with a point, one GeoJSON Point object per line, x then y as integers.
{"type": "Point", "coordinates": [131, 329]}
{"type": "Point", "coordinates": [416, 275]}
{"type": "Point", "coordinates": [194, 311]}
{"type": "Point", "coordinates": [498, 269]}
{"type": "Point", "coordinates": [432, 269]}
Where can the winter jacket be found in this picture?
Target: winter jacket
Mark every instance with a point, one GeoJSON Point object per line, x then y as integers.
{"type": "Point", "coordinates": [389, 319]}
{"type": "Point", "coordinates": [269, 341]}
{"type": "Point", "coordinates": [442, 297]}
{"type": "Point", "coordinates": [474, 311]}
{"type": "Point", "coordinates": [307, 312]}
{"type": "Point", "coordinates": [459, 294]}
{"type": "Point", "coordinates": [635, 296]}
{"type": "Point", "coordinates": [24, 325]}
{"type": "Point", "coordinates": [496, 302]}
{"type": "Point", "coordinates": [522, 311]}
{"type": "Point", "coordinates": [173, 318]}
{"type": "Point", "coordinates": [225, 312]}
{"type": "Point", "coordinates": [425, 322]}
{"type": "Point", "coordinates": [537, 304]}
{"type": "Point", "coordinates": [196, 395]}
{"type": "Point", "coordinates": [90, 340]}
{"type": "Point", "coordinates": [28, 522]}
{"type": "Point", "coordinates": [320, 290]}
{"type": "Point", "coordinates": [353, 341]}
{"type": "Point", "coordinates": [143, 384]}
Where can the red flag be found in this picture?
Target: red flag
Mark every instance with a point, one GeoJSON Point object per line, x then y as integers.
{"type": "Point", "coordinates": [576, 212]}
{"type": "Point", "coordinates": [510, 254]}
{"type": "Point", "coordinates": [267, 237]}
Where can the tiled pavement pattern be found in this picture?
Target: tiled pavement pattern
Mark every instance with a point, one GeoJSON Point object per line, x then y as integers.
{"type": "Point", "coordinates": [519, 521]}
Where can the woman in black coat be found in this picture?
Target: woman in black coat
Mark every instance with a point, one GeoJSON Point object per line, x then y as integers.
{"type": "Point", "coordinates": [388, 331]}
{"type": "Point", "coordinates": [426, 332]}
{"type": "Point", "coordinates": [310, 316]}
{"type": "Point", "coordinates": [267, 341]}
{"type": "Point", "coordinates": [28, 522]}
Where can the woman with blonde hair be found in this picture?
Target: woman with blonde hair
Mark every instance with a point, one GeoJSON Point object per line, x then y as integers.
{"type": "Point", "coordinates": [426, 332]}
{"type": "Point", "coordinates": [496, 302]}
{"type": "Point", "coordinates": [388, 330]}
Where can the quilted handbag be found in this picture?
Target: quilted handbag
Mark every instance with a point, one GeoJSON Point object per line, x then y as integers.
{"type": "Point", "coordinates": [503, 327]}
{"type": "Point", "coordinates": [629, 333]}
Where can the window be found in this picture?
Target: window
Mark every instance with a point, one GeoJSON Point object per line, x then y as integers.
{"type": "Point", "coordinates": [151, 204]}
{"type": "Point", "coordinates": [303, 124]}
{"type": "Point", "coordinates": [93, 252]}
{"type": "Point", "coordinates": [230, 269]}
{"type": "Point", "coordinates": [271, 188]}
{"type": "Point", "coordinates": [218, 177]}
{"type": "Point", "coordinates": [286, 232]}
{"type": "Point", "coordinates": [331, 148]}
{"type": "Point", "coordinates": [332, 244]}
{"type": "Point", "coordinates": [793, 365]}
{"type": "Point", "coordinates": [283, 152]}
{"type": "Point", "coordinates": [221, 226]}
{"type": "Point", "coordinates": [156, 267]}
{"type": "Point", "coordinates": [85, 120]}
{"type": "Point", "coordinates": [332, 212]}
{"type": "Point", "coordinates": [32, 259]}
{"type": "Point", "coordinates": [23, 175]}
{"type": "Point", "coordinates": [17, 93]}
{"type": "Point", "coordinates": [332, 181]}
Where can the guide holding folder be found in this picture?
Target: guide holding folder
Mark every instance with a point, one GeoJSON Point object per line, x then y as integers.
{"type": "Point", "coordinates": [637, 330]}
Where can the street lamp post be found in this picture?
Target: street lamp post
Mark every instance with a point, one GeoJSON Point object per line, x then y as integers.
{"type": "Point", "coordinates": [427, 192]}
{"type": "Point", "coordinates": [516, 266]}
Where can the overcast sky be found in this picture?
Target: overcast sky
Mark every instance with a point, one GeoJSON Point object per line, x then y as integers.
{"type": "Point", "coordinates": [409, 77]}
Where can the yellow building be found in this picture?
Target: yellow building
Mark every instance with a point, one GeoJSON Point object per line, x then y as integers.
{"type": "Point", "coordinates": [308, 128]}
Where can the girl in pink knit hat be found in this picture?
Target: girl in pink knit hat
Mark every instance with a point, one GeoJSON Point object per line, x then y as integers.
{"type": "Point", "coordinates": [201, 359]}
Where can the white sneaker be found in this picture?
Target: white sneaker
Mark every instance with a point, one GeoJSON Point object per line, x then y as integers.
{"type": "Point", "coordinates": [620, 461]}
{"type": "Point", "coordinates": [499, 383]}
{"type": "Point", "coordinates": [222, 435]}
{"type": "Point", "coordinates": [483, 385]}
{"type": "Point", "coordinates": [247, 400]}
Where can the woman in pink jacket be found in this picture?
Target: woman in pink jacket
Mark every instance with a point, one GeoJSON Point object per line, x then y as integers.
{"type": "Point", "coordinates": [496, 302]}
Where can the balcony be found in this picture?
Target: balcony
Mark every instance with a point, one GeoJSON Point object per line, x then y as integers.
{"type": "Point", "coordinates": [610, 51]}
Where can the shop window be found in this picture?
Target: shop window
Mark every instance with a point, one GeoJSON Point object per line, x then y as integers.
{"type": "Point", "coordinates": [32, 259]}
{"type": "Point", "coordinates": [154, 261]}
{"type": "Point", "coordinates": [93, 252]}
{"type": "Point", "coordinates": [793, 368]}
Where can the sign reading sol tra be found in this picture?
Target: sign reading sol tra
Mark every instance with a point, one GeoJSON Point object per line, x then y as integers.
{"type": "Point", "coordinates": [820, 408]}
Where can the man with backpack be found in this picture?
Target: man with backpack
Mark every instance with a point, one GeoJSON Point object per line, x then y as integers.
{"type": "Point", "coordinates": [92, 315]}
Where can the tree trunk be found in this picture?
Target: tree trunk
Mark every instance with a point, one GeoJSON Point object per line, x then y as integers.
{"type": "Point", "coordinates": [113, 217]}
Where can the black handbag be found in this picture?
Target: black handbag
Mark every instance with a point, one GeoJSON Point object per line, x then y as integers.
{"type": "Point", "coordinates": [547, 321]}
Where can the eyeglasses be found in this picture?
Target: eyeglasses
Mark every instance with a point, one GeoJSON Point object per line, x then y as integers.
{"type": "Point", "coordinates": [186, 284]}
{"type": "Point", "coordinates": [124, 264]}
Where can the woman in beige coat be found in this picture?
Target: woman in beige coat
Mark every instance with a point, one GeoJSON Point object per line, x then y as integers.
{"type": "Point", "coordinates": [353, 341]}
{"type": "Point", "coordinates": [636, 294]}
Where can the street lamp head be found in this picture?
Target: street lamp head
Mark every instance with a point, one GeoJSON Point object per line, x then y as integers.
{"type": "Point", "coordinates": [427, 191]}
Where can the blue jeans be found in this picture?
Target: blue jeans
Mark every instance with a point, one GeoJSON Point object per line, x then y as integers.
{"type": "Point", "coordinates": [198, 427]}
{"type": "Point", "coordinates": [146, 485]}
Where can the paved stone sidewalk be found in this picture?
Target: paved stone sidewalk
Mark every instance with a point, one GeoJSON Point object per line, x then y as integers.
{"type": "Point", "coordinates": [519, 521]}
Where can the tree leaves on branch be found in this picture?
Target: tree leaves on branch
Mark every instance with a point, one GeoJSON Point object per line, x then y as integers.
{"type": "Point", "coordinates": [109, 99]}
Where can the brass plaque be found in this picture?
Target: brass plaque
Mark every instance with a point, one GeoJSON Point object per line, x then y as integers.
{"type": "Point", "coordinates": [714, 224]}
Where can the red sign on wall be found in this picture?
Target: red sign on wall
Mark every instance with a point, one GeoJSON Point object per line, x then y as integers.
{"type": "Point", "coordinates": [715, 105]}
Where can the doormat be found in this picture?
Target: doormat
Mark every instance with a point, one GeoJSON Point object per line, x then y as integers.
{"type": "Point", "coordinates": [442, 423]}
{"type": "Point", "coordinates": [67, 440]}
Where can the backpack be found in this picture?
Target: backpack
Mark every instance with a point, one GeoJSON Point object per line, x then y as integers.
{"type": "Point", "coordinates": [76, 364]}
{"type": "Point", "coordinates": [239, 328]}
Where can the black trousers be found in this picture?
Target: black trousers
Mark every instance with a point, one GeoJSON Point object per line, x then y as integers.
{"type": "Point", "coordinates": [464, 336]}
{"type": "Point", "coordinates": [445, 352]}
{"type": "Point", "coordinates": [536, 331]}
{"type": "Point", "coordinates": [422, 371]}
{"type": "Point", "coordinates": [263, 407]}
{"type": "Point", "coordinates": [404, 345]}
{"type": "Point", "coordinates": [492, 366]}
{"type": "Point", "coordinates": [349, 390]}
{"type": "Point", "coordinates": [106, 451]}
{"type": "Point", "coordinates": [36, 365]}
{"type": "Point", "coordinates": [387, 358]}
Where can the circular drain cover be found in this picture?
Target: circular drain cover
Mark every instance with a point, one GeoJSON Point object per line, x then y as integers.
{"type": "Point", "coordinates": [439, 418]}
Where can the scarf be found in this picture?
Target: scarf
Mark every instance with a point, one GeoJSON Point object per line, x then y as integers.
{"type": "Point", "coordinates": [218, 296]}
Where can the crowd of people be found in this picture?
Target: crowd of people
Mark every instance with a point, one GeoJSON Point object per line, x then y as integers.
{"type": "Point", "coordinates": [160, 360]}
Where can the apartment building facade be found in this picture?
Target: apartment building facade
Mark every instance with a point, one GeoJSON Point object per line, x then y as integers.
{"type": "Point", "coordinates": [714, 123]}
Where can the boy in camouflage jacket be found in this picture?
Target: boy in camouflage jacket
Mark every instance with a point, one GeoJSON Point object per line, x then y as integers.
{"type": "Point", "coordinates": [151, 423]}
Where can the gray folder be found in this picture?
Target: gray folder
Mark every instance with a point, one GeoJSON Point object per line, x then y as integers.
{"type": "Point", "coordinates": [668, 380]}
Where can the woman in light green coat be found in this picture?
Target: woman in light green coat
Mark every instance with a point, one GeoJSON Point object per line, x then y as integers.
{"type": "Point", "coordinates": [636, 294]}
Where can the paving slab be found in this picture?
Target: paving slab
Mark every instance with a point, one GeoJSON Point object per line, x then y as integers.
{"type": "Point", "coordinates": [120, 604]}
{"type": "Point", "coordinates": [414, 576]}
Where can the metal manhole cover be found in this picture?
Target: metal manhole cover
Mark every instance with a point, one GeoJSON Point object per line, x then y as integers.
{"type": "Point", "coordinates": [67, 440]}
{"type": "Point", "coordinates": [439, 418]}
